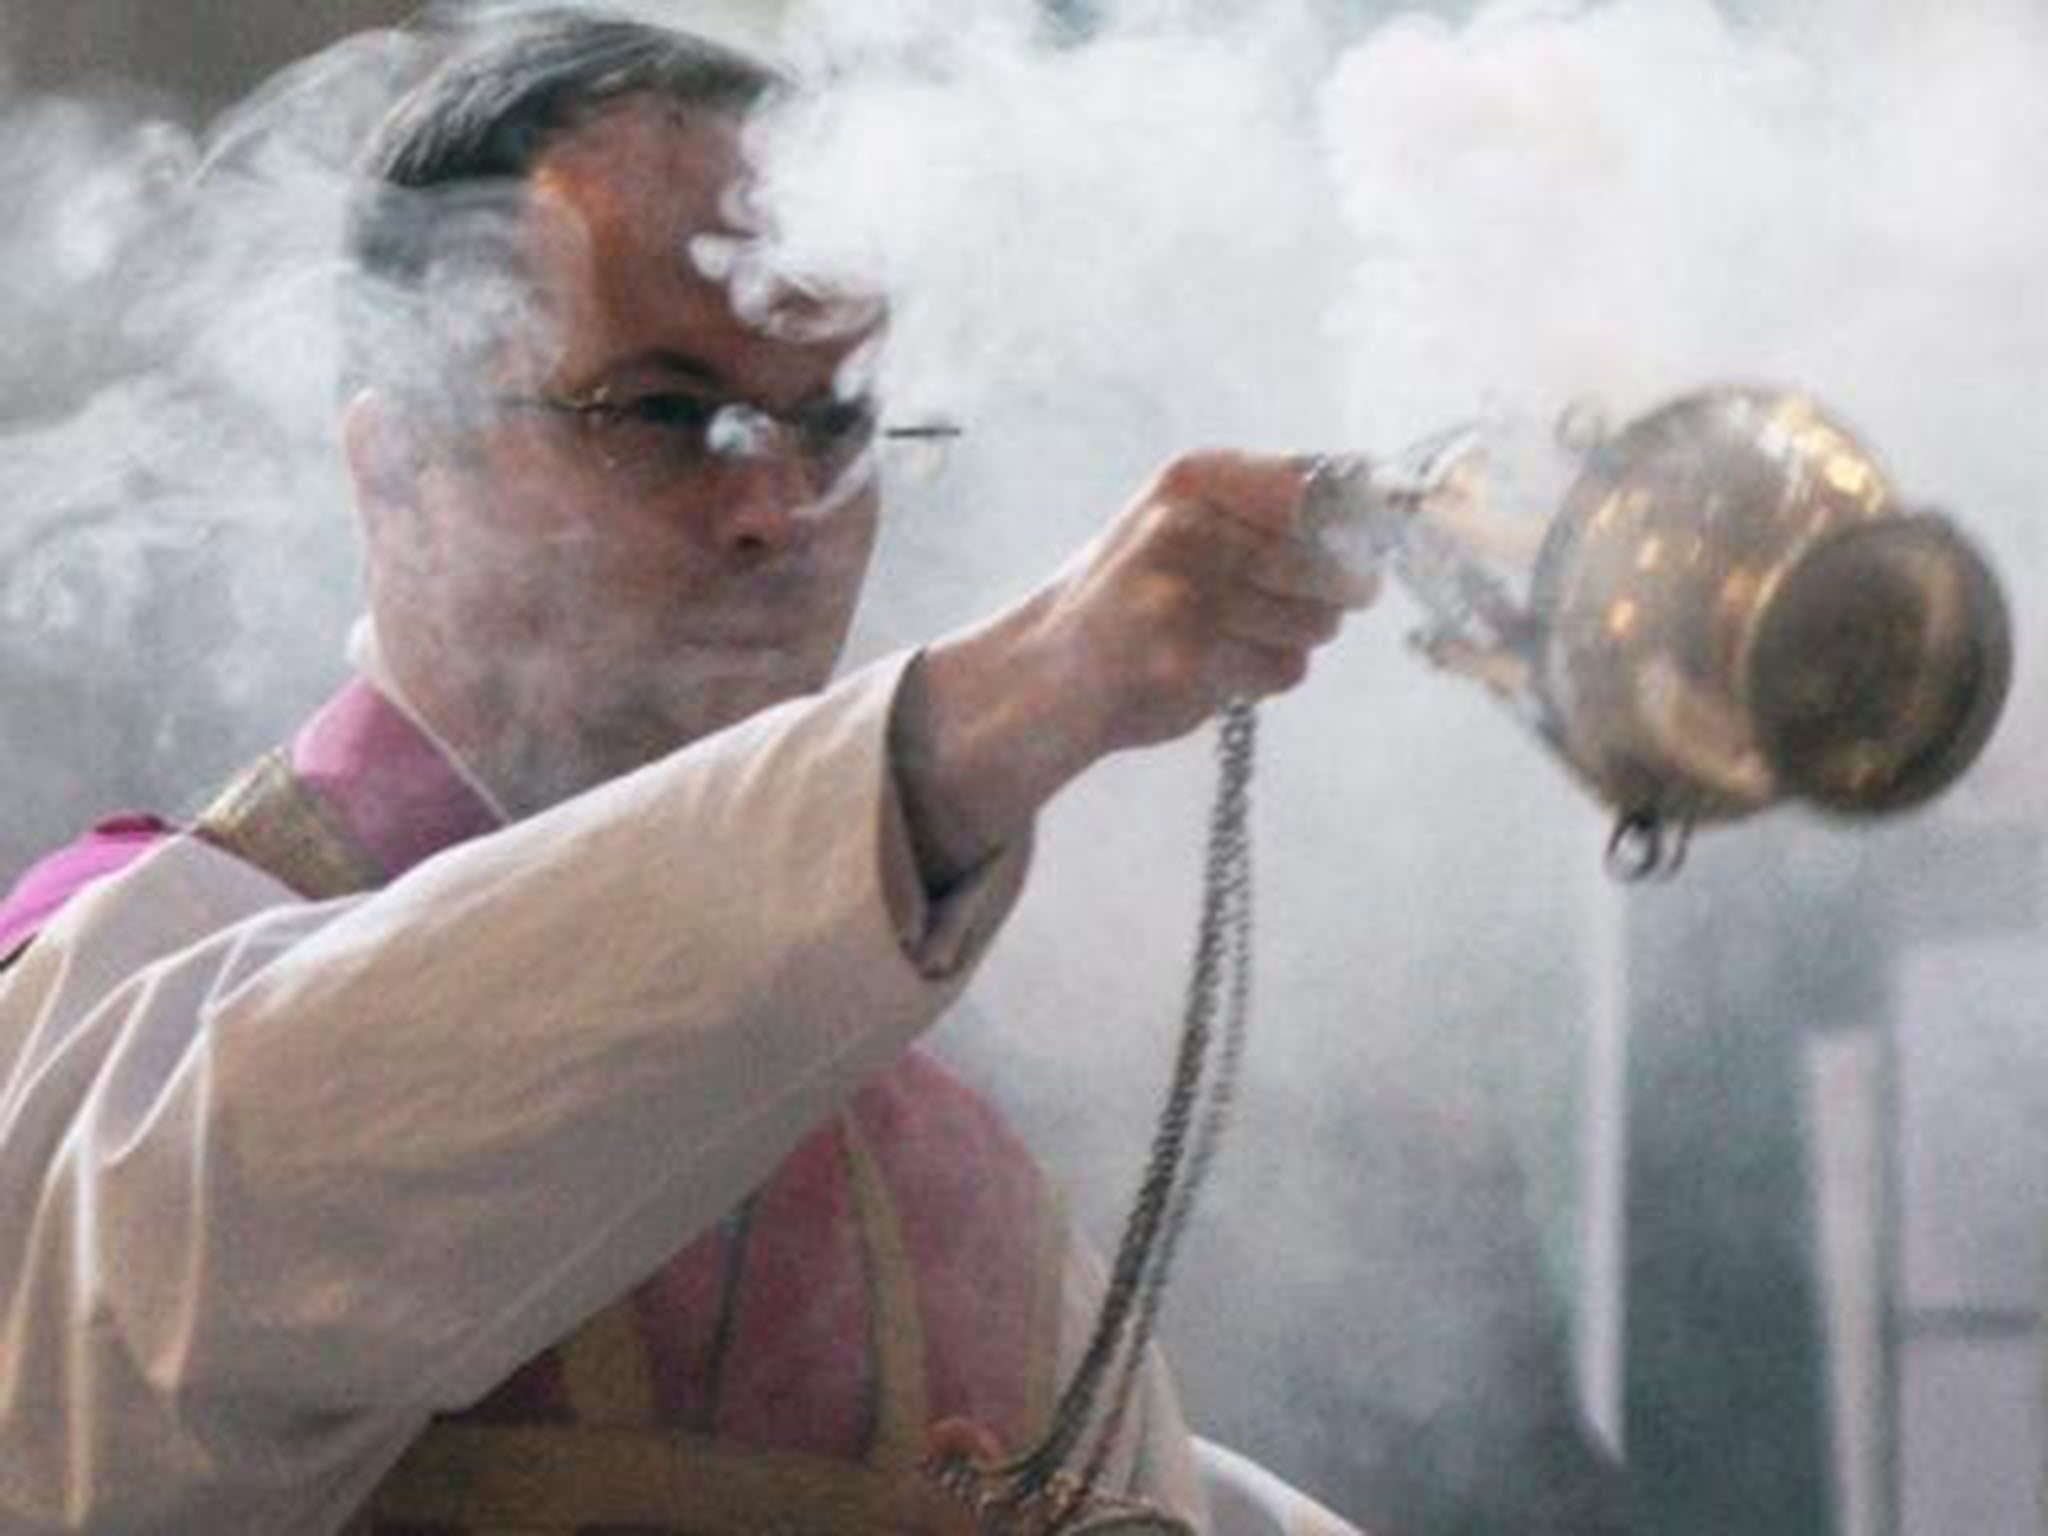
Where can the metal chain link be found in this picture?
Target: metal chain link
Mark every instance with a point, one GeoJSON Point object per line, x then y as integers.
{"type": "Point", "coordinates": [1041, 1492]}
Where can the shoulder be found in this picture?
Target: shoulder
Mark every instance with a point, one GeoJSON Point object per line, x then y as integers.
{"type": "Point", "coordinates": [133, 887]}
{"type": "Point", "coordinates": [52, 881]}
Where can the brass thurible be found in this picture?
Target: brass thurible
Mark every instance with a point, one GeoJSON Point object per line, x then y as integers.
{"type": "Point", "coordinates": [1728, 607]}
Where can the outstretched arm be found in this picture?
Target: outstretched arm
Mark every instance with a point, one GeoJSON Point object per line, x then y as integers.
{"type": "Point", "coordinates": [1204, 589]}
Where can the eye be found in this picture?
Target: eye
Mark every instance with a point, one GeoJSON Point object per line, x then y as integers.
{"type": "Point", "coordinates": [836, 423]}
{"type": "Point", "coordinates": [672, 410]}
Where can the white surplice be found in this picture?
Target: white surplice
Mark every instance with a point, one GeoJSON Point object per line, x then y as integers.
{"type": "Point", "coordinates": [278, 1179]}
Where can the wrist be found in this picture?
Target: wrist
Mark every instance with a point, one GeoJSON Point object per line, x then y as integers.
{"type": "Point", "coordinates": [986, 730]}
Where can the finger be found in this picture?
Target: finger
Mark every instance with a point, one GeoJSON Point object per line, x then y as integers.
{"type": "Point", "coordinates": [962, 1440]}
{"type": "Point", "coordinates": [1198, 536]}
{"type": "Point", "coordinates": [1259, 618]}
{"type": "Point", "coordinates": [1295, 568]}
{"type": "Point", "coordinates": [1262, 491]}
{"type": "Point", "coordinates": [1243, 671]}
{"type": "Point", "coordinates": [1221, 553]}
{"type": "Point", "coordinates": [1203, 536]}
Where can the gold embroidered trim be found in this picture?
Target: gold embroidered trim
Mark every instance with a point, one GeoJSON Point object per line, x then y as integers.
{"type": "Point", "coordinates": [895, 1331]}
{"type": "Point", "coordinates": [556, 1478]}
{"type": "Point", "coordinates": [268, 817]}
{"type": "Point", "coordinates": [604, 1369]}
{"type": "Point", "coordinates": [1048, 1295]}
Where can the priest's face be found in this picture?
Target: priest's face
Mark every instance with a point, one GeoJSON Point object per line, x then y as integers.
{"type": "Point", "coordinates": [654, 517]}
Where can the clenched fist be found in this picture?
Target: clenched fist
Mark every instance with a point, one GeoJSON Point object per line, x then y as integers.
{"type": "Point", "coordinates": [1202, 590]}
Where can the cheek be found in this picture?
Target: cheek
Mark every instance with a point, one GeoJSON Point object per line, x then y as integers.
{"type": "Point", "coordinates": [515, 497]}
{"type": "Point", "coordinates": [485, 555]}
{"type": "Point", "coordinates": [850, 535]}
{"type": "Point", "coordinates": [523, 523]}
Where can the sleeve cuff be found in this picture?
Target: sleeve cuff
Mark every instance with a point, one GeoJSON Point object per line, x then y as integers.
{"type": "Point", "coordinates": [942, 931]}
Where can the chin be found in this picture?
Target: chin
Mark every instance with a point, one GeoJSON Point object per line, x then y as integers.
{"type": "Point", "coordinates": [664, 720]}
{"type": "Point", "coordinates": [604, 736]}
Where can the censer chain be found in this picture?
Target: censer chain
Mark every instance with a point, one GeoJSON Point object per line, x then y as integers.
{"type": "Point", "coordinates": [1051, 1489]}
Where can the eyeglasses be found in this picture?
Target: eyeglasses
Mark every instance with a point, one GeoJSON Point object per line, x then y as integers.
{"type": "Point", "coordinates": [656, 439]}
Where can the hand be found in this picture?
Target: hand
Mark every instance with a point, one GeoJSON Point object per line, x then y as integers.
{"type": "Point", "coordinates": [1204, 589]}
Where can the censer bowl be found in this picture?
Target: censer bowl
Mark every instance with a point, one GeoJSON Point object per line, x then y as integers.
{"type": "Point", "coordinates": [1734, 609]}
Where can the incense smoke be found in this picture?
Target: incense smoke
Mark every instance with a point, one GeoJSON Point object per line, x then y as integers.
{"type": "Point", "coordinates": [1106, 239]}
{"type": "Point", "coordinates": [1274, 227]}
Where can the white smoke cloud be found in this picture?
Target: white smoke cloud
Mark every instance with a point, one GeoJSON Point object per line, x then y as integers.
{"type": "Point", "coordinates": [1286, 226]}
{"type": "Point", "coordinates": [174, 541]}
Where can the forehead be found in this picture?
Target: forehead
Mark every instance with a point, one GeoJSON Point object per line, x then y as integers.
{"type": "Point", "coordinates": [628, 212]}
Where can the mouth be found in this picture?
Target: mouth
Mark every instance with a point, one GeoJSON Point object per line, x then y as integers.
{"type": "Point", "coordinates": [765, 646]}
{"type": "Point", "coordinates": [749, 634]}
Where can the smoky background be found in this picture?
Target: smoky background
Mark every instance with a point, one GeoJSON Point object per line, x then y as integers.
{"type": "Point", "coordinates": [1522, 1163]}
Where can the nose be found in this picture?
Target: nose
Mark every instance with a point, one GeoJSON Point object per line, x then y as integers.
{"type": "Point", "coordinates": [763, 482]}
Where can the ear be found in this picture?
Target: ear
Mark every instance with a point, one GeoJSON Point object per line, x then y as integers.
{"type": "Point", "coordinates": [384, 454]}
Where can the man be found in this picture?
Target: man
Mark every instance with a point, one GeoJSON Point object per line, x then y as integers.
{"type": "Point", "coordinates": [500, 1111]}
